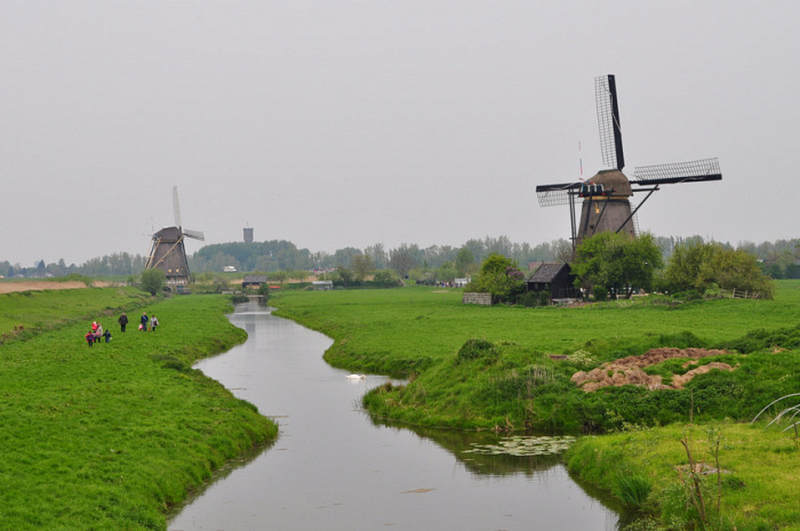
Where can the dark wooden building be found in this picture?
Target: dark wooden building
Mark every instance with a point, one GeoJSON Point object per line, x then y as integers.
{"type": "Point", "coordinates": [555, 278]}
{"type": "Point", "coordinates": [254, 281]}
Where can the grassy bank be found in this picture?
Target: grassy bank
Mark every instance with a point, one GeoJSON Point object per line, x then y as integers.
{"type": "Point", "coordinates": [27, 313]}
{"type": "Point", "coordinates": [757, 484]}
{"type": "Point", "coordinates": [115, 435]}
{"type": "Point", "coordinates": [514, 384]}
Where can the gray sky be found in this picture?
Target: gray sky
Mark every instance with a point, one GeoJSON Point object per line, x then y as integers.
{"type": "Point", "coordinates": [334, 123]}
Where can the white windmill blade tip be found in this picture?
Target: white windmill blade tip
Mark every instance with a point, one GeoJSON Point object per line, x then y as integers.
{"type": "Point", "coordinates": [176, 209]}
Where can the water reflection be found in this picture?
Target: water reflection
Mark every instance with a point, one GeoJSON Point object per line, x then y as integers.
{"type": "Point", "coordinates": [332, 468]}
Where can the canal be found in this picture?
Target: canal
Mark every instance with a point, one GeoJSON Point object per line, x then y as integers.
{"type": "Point", "coordinates": [333, 468]}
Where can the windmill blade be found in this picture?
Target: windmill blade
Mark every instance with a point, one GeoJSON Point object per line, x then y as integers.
{"type": "Point", "coordinates": [194, 234]}
{"type": "Point", "coordinates": [678, 172]}
{"type": "Point", "coordinates": [605, 93]}
{"type": "Point", "coordinates": [176, 208]}
{"type": "Point", "coordinates": [556, 194]}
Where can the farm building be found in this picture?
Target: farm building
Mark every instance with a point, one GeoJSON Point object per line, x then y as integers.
{"type": "Point", "coordinates": [554, 277]}
{"type": "Point", "coordinates": [254, 281]}
{"type": "Point", "coordinates": [322, 285]}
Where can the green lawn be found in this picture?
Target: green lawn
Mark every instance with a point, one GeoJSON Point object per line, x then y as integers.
{"type": "Point", "coordinates": [517, 386]}
{"type": "Point", "coordinates": [113, 436]}
{"type": "Point", "coordinates": [26, 313]}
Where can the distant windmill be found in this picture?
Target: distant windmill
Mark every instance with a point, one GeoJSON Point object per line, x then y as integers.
{"type": "Point", "coordinates": [605, 196]}
{"type": "Point", "coordinates": [168, 252]}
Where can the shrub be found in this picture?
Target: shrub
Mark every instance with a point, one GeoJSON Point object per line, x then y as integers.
{"type": "Point", "coordinates": [534, 298]}
{"type": "Point", "coordinates": [474, 349]}
{"type": "Point", "coordinates": [500, 277]}
{"type": "Point", "coordinates": [153, 281]}
{"type": "Point", "coordinates": [710, 266]}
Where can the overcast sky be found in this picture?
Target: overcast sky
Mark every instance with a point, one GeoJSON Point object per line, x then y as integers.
{"type": "Point", "coordinates": [337, 123]}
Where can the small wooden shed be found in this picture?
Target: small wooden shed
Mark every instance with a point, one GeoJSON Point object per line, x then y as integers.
{"type": "Point", "coordinates": [554, 277]}
{"type": "Point", "coordinates": [254, 281]}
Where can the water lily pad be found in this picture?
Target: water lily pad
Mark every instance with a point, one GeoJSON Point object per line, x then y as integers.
{"type": "Point", "coordinates": [524, 446]}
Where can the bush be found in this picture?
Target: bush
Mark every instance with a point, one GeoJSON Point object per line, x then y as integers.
{"type": "Point", "coordinates": [500, 277]}
{"type": "Point", "coordinates": [534, 298]}
{"type": "Point", "coordinates": [707, 267]}
{"type": "Point", "coordinates": [474, 349]}
{"type": "Point", "coordinates": [153, 281]}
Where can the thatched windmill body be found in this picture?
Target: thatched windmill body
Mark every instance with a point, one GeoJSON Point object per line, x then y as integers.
{"type": "Point", "coordinates": [168, 252]}
{"type": "Point", "coordinates": [606, 197]}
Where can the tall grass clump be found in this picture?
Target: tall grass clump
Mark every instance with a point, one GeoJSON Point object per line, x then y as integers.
{"type": "Point", "coordinates": [632, 490]}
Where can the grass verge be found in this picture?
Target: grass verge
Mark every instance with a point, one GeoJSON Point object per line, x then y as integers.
{"type": "Point", "coordinates": [116, 435]}
{"type": "Point", "coordinates": [27, 313]}
{"type": "Point", "coordinates": [647, 470]}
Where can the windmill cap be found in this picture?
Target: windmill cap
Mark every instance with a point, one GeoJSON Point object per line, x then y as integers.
{"type": "Point", "coordinates": [613, 180]}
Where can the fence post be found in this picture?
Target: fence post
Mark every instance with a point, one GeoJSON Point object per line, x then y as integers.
{"type": "Point", "coordinates": [733, 293]}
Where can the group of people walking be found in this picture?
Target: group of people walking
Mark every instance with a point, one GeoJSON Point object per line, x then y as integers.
{"type": "Point", "coordinates": [97, 333]}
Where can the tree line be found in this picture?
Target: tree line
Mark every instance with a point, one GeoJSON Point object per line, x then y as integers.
{"type": "Point", "coordinates": [779, 258]}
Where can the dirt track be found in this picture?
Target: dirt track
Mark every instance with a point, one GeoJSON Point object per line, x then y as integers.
{"type": "Point", "coordinates": [41, 285]}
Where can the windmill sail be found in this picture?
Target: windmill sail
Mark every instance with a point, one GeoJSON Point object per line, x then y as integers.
{"type": "Point", "coordinates": [605, 91]}
{"type": "Point", "coordinates": [556, 194]}
{"type": "Point", "coordinates": [176, 207]}
{"type": "Point", "coordinates": [678, 172]}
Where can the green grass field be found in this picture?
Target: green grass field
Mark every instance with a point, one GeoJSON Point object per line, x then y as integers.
{"type": "Point", "coordinates": [114, 436]}
{"type": "Point", "coordinates": [27, 313]}
{"type": "Point", "coordinates": [510, 383]}
{"type": "Point", "coordinates": [517, 386]}
{"type": "Point", "coordinates": [398, 331]}
{"type": "Point", "coordinates": [758, 483]}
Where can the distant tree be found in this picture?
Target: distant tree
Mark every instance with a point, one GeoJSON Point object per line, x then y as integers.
{"type": "Point", "coordinates": [377, 254]}
{"type": "Point", "coordinates": [153, 280]}
{"type": "Point", "coordinates": [562, 251]}
{"type": "Point", "coordinates": [345, 275]}
{"type": "Point", "coordinates": [446, 273]}
{"type": "Point", "coordinates": [465, 261]}
{"type": "Point", "coordinates": [403, 259]}
{"type": "Point", "coordinates": [40, 268]}
{"type": "Point", "coordinates": [344, 257]}
{"type": "Point", "coordinates": [386, 279]}
{"type": "Point", "coordinates": [278, 276]}
{"type": "Point", "coordinates": [299, 274]}
{"type": "Point", "coordinates": [616, 264]}
{"type": "Point", "coordinates": [362, 266]}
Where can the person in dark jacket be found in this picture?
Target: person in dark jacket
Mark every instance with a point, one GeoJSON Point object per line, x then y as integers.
{"type": "Point", "coordinates": [107, 335]}
{"type": "Point", "coordinates": [123, 321]}
{"type": "Point", "coordinates": [143, 320]}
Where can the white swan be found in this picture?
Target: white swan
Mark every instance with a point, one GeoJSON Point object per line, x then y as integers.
{"type": "Point", "coordinates": [356, 376]}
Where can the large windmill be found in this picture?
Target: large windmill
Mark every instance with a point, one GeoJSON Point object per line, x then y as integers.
{"type": "Point", "coordinates": [168, 252]}
{"type": "Point", "coordinates": [606, 205]}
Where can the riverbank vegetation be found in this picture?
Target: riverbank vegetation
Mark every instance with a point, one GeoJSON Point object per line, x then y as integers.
{"type": "Point", "coordinates": [521, 378]}
{"type": "Point", "coordinates": [658, 369]}
{"type": "Point", "coordinates": [744, 476]}
{"type": "Point", "coordinates": [115, 436]}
